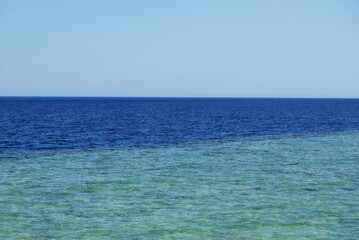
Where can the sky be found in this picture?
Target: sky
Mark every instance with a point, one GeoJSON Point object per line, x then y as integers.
{"type": "Point", "coordinates": [187, 48]}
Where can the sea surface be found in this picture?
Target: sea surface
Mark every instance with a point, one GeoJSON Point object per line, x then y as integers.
{"type": "Point", "coordinates": [179, 168]}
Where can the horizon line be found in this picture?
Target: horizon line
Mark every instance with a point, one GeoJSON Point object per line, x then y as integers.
{"type": "Point", "coordinates": [230, 97]}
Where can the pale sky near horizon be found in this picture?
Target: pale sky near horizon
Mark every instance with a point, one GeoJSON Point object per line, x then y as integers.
{"type": "Point", "coordinates": [189, 48]}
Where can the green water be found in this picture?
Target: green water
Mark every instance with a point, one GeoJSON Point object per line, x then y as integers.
{"type": "Point", "coordinates": [293, 187]}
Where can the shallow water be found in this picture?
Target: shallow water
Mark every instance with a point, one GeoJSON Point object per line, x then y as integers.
{"type": "Point", "coordinates": [289, 187]}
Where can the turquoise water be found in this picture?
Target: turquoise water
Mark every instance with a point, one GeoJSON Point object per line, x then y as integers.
{"type": "Point", "coordinates": [289, 187]}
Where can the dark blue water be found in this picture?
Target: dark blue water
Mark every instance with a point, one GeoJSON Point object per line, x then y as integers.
{"type": "Point", "coordinates": [78, 123]}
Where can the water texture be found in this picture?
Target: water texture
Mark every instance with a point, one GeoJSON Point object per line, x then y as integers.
{"type": "Point", "coordinates": [78, 123]}
{"type": "Point", "coordinates": [285, 187]}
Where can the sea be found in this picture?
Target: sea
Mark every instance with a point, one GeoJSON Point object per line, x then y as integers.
{"type": "Point", "coordinates": [179, 168]}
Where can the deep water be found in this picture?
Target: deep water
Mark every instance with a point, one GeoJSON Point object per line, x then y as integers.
{"type": "Point", "coordinates": [78, 123]}
{"type": "Point", "coordinates": [148, 168]}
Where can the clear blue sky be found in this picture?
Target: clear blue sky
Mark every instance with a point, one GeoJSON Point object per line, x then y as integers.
{"type": "Point", "coordinates": [221, 48]}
